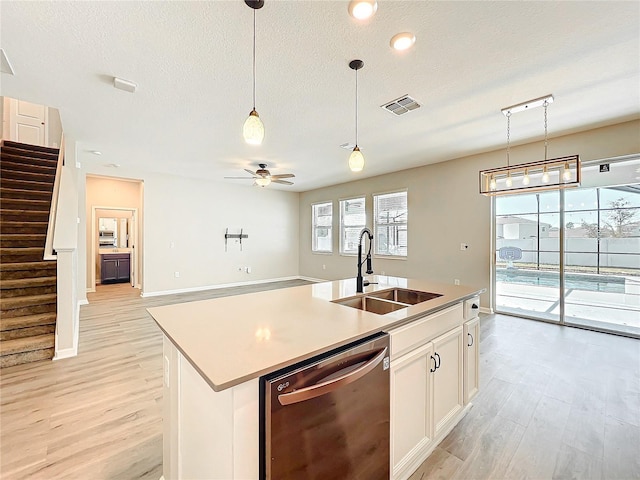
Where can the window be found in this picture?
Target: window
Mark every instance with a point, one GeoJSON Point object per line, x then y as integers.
{"type": "Point", "coordinates": [322, 214]}
{"type": "Point", "coordinates": [390, 224]}
{"type": "Point", "coordinates": [352, 221]}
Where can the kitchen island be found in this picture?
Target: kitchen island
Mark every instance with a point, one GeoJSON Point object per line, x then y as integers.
{"type": "Point", "coordinates": [216, 350]}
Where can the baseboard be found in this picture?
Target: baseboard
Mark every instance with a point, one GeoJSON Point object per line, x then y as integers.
{"type": "Point", "coordinates": [91, 290]}
{"type": "Point", "coordinates": [218, 286]}
{"type": "Point", "coordinates": [311, 279]}
{"type": "Point", "coordinates": [65, 353]}
{"type": "Point", "coordinates": [487, 310]}
{"type": "Point", "coordinates": [83, 301]}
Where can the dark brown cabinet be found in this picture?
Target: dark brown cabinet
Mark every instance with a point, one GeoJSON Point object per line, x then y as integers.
{"type": "Point", "coordinates": [115, 267]}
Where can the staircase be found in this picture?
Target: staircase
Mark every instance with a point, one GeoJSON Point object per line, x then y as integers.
{"type": "Point", "coordinates": [27, 282]}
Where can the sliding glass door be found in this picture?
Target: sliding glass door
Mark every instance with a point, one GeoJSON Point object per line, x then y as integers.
{"type": "Point", "coordinates": [602, 258]}
{"type": "Point", "coordinates": [571, 257]}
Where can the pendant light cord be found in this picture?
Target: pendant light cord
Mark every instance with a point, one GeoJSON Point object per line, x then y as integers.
{"type": "Point", "coordinates": [546, 104]}
{"type": "Point", "coordinates": [508, 136]}
{"type": "Point", "coordinates": [356, 107]}
{"type": "Point", "coordinates": [254, 59]}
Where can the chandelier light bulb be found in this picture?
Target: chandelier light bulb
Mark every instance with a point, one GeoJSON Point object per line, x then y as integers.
{"type": "Point", "coordinates": [545, 175]}
{"type": "Point", "coordinates": [253, 129]}
{"type": "Point", "coordinates": [492, 183]}
{"type": "Point", "coordinates": [509, 182]}
{"type": "Point", "coordinates": [356, 160]}
{"type": "Point", "coordinates": [362, 9]}
{"type": "Point", "coordinates": [566, 175]}
{"type": "Point", "coordinates": [525, 179]}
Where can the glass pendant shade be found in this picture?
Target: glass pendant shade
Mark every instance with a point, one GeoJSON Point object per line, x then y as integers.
{"type": "Point", "coordinates": [508, 181]}
{"type": "Point", "coordinates": [545, 175]}
{"type": "Point", "coordinates": [566, 174]}
{"type": "Point", "coordinates": [356, 160]}
{"type": "Point", "coordinates": [263, 181]}
{"type": "Point", "coordinates": [525, 179]}
{"type": "Point", "coordinates": [253, 129]}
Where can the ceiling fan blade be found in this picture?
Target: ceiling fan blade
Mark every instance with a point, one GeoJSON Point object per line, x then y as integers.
{"type": "Point", "coordinates": [241, 178]}
{"type": "Point", "coordinates": [283, 182]}
{"type": "Point", "coordinates": [284, 175]}
{"type": "Point", "coordinates": [249, 171]}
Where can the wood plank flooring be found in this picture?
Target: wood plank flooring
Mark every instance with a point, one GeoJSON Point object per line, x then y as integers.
{"type": "Point", "coordinates": [554, 402]}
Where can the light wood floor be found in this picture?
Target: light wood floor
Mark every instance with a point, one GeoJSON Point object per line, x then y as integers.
{"type": "Point", "coordinates": [554, 403]}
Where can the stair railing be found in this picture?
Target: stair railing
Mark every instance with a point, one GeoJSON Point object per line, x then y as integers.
{"type": "Point", "coordinates": [49, 254]}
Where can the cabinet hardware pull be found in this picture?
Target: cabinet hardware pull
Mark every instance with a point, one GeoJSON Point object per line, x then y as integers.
{"type": "Point", "coordinates": [435, 364]}
{"type": "Point", "coordinates": [439, 361]}
{"type": "Point", "coordinates": [470, 339]}
{"type": "Point", "coordinates": [473, 305]}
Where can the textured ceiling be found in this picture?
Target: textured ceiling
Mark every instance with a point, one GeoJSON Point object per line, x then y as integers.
{"type": "Point", "coordinates": [192, 64]}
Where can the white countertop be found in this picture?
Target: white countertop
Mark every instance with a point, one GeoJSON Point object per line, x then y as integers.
{"type": "Point", "coordinates": [230, 340]}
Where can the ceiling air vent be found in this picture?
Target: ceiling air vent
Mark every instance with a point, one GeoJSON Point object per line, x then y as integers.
{"type": "Point", "coordinates": [401, 105]}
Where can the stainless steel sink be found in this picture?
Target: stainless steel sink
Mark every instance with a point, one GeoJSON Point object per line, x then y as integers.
{"type": "Point", "coordinates": [402, 295]}
{"type": "Point", "coordinates": [387, 301]}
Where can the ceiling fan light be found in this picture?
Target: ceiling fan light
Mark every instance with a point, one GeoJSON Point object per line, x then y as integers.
{"type": "Point", "coordinates": [253, 129]}
{"type": "Point", "coordinates": [356, 160]}
{"type": "Point", "coordinates": [362, 9]}
{"type": "Point", "coordinates": [263, 181]}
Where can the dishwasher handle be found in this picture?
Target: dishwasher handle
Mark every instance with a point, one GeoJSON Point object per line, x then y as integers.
{"type": "Point", "coordinates": [329, 386]}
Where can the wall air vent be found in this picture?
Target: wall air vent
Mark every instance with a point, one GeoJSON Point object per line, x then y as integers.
{"type": "Point", "coordinates": [401, 105]}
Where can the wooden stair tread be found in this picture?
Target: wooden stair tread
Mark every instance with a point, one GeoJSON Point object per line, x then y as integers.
{"type": "Point", "coordinates": [28, 147]}
{"type": "Point", "coordinates": [27, 344]}
{"type": "Point", "coordinates": [9, 157]}
{"type": "Point", "coordinates": [24, 236]}
{"type": "Point", "coordinates": [15, 223]}
{"type": "Point", "coordinates": [39, 265]}
{"type": "Point", "coordinates": [27, 321]}
{"type": "Point", "coordinates": [8, 250]}
{"type": "Point", "coordinates": [26, 201]}
{"type": "Point", "coordinates": [18, 193]}
{"type": "Point", "coordinates": [27, 282]}
{"type": "Point", "coordinates": [11, 303]}
{"type": "Point", "coordinates": [28, 184]}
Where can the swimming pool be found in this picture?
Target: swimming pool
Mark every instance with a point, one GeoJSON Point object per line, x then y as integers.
{"type": "Point", "coordinates": [576, 281]}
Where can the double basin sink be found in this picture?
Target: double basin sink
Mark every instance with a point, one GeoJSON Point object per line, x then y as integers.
{"type": "Point", "coordinates": [387, 301]}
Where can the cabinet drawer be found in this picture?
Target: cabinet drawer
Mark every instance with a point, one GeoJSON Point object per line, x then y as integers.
{"type": "Point", "coordinates": [419, 332]}
{"type": "Point", "coordinates": [471, 308]}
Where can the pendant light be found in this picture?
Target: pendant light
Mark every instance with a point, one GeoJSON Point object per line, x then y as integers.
{"type": "Point", "coordinates": [356, 159]}
{"type": "Point", "coordinates": [547, 174]}
{"type": "Point", "coordinates": [253, 129]}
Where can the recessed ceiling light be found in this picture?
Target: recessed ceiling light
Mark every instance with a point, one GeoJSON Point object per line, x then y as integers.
{"type": "Point", "coordinates": [402, 41]}
{"type": "Point", "coordinates": [95, 152]}
{"type": "Point", "coordinates": [362, 9]}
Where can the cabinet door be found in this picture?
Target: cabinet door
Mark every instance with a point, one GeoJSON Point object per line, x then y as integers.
{"type": "Point", "coordinates": [109, 270]}
{"type": "Point", "coordinates": [471, 359]}
{"type": "Point", "coordinates": [410, 407]}
{"type": "Point", "coordinates": [124, 264]}
{"type": "Point", "coordinates": [447, 379]}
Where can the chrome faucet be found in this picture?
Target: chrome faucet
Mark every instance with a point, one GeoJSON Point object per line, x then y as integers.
{"type": "Point", "coordinates": [360, 283]}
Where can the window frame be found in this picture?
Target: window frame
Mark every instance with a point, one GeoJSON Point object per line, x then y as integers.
{"type": "Point", "coordinates": [340, 203]}
{"type": "Point", "coordinates": [314, 227]}
{"type": "Point", "coordinates": [390, 256]}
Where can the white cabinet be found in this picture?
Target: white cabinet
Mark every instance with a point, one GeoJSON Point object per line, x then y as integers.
{"type": "Point", "coordinates": [410, 407]}
{"type": "Point", "coordinates": [471, 359]}
{"type": "Point", "coordinates": [447, 379]}
{"type": "Point", "coordinates": [426, 386]}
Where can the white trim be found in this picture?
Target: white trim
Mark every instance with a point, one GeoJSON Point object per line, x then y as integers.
{"type": "Point", "coordinates": [217, 286]}
{"type": "Point", "coordinates": [311, 279]}
{"type": "Point", "coordinates": [487, 310]}
{"type": "Point", "coordinates": [73, 351]}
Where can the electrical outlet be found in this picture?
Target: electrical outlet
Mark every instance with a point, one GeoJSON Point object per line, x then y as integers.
{"type": "Point", "coordinates": [324, 267]}
{"type": "Point", "coordinates": [176, 274]}
{"type": "Point", "coordinates": [247, 269]}
{"type": "Point", "coordinates": [456, 282]}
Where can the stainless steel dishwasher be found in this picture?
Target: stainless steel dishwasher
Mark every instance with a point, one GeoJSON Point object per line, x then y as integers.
{"type": "Point", "coordinates": [328, 418]}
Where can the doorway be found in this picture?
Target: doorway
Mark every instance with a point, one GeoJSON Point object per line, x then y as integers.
{"type": "Point", "coordinates": [114, 232]}
{"type": "Point", "coordinates": [570, 256]}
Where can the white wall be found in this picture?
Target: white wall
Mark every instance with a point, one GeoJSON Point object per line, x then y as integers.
{"type": "Point", "coordinates": [445, 209]}
{"type": "Point", "coordinates": [184, 223]}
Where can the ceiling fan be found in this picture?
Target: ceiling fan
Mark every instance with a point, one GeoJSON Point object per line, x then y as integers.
{"type": "Point", "coordinates": [263, 177]}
